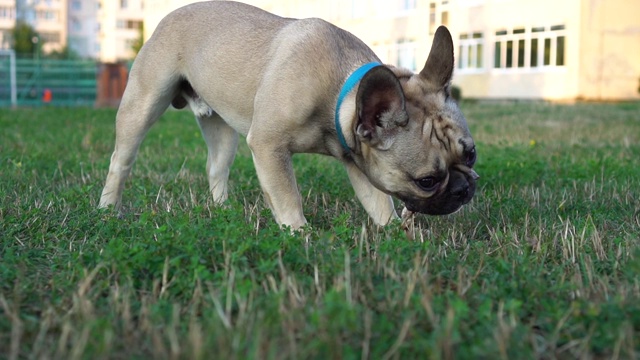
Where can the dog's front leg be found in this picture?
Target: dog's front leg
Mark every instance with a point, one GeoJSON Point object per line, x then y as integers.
{"type": "Point", "coordinates": [378, 205]}
{"type": "Point", "coordinates": [275, 173]}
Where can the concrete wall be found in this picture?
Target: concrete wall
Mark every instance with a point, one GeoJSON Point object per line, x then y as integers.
{"type": "Point", "coordinates": [528, 81]}
{"type": "Point", "coordinates": [610, 50]}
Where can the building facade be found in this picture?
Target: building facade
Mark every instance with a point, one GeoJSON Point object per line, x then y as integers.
{"type": "Point", "coordinates": [524, 49]}
{"type": "Point", "coordinates": [7, 22]}
{"type": "Point", "coordinates": [50, 22]}
{"type": "Point", "coordinates": [120, 23]}
{"type": "Point", "coordinates": [47, 17]}
{"type": "Point", "coordinates": [104, 30]}
{"type": "Point", "coordinates": [548, 49]}
{"type": "Point", "coordinates": [84, 28]}
{"type": "Point", "coordinates": [505, 49]}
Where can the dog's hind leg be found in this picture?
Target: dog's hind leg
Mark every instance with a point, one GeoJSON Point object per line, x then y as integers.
{"type": "Point", "coordinates": [142, 104]}
{"type": "Point", "coordinates": [222, 143]}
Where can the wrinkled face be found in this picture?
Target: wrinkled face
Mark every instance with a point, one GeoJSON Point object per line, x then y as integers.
{"type": "Point", "coordinates": [428, 163]}
{"type": "Point", "coordinates": [415, 143]}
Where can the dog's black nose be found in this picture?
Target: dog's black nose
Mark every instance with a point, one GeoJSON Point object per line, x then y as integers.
{"type": "Point", "coordinates": [461, 191]}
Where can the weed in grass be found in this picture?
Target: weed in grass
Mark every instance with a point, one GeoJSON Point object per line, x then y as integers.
{"type": "Point", "coordinates": [542, 264]}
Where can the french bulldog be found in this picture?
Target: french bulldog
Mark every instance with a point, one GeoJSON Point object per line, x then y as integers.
{"type": "Point", "coordinates": [300, 86]}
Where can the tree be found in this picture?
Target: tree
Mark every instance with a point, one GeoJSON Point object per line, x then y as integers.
{"type": "Point", "coordinates": [66, 53]}
{"type": "Point", "coordinates": [23, 35]}
{"type": "Point", "coordinates": [137, 44]}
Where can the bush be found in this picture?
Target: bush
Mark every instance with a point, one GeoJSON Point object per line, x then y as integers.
{"type": "Point", "coordinates": [456, 93]}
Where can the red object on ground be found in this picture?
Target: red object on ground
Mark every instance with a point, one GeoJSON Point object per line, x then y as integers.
{"type": "Point", "coordinates": [47, 96]}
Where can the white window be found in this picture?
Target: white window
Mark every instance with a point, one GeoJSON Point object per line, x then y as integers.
{"type": "Point", "coordinates": [530, 48]}
{"type": "Point", "coordinates": [50, 37]}
{"type": "Point", "coordinates": [432, 18]}
{"type": "Point", "coordinates": [510, 49]}
{"type": "Point", "coordinates": [47, 15]}
{"type": "Point", "coordinates": [5, 38]}
{"type": "Point", "coordinates": [438, 15]}
{"type": "Point", "coordinates": [470, 3]}
{"type": "Point", "coordinates": [358, 9]}
{"type": "Point", "coordinates": [382, 51]}
{"type": "Point", "coordinates": [76, 25]}
{"type": "Point", "coordinates": [444, 18]}
{"type": "Point", "coordinates": [406, 5]}
{"type": "Point", "coordinates": [470, 51]}
{"type": "Point", "coordinates": [406, 54]}
{"type": "Point", "coordinates": [7, 12]}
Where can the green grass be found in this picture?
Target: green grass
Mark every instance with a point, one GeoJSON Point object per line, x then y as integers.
{"type": "Point", "coordinates": [544, 263]}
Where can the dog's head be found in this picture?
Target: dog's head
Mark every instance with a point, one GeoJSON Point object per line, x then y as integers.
{"type": "Point", "coordinates": [413, 138]}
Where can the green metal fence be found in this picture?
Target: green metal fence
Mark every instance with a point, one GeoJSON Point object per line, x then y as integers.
{"type": "Point", "coordinates": [49, 82]}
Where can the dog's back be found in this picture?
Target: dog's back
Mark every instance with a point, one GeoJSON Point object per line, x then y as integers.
{"type": "Point", "coordinates": [216, 50]}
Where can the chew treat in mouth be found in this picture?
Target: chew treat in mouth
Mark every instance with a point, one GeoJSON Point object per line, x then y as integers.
{"type": "Point", "coordinates": [407, 223]}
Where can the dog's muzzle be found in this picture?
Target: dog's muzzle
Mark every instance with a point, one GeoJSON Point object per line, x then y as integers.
{"type": "Point", "coordinates": [459, 191]}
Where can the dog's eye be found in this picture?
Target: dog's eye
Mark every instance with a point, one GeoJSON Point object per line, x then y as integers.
{"type": "Point", "coordinates": [427, 184]}
{"type": "Point", "coordinates": [471, 157]}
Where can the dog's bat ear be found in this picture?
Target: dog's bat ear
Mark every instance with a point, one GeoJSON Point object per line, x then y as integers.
{"type": "Point", "coordinates": [438, 69]}
{"type": "Point", "coordinates": [380, 104]}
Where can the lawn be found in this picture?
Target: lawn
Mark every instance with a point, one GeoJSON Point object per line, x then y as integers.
{"type": "Point", "coordinates": [544, 262]}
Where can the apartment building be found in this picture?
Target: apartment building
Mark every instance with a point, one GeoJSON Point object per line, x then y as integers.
{"type": "Point", "coordinates": [105, 30]}
{"type": "Point", "coordinates": [7, 22]}
{"type": "Point", "coordinates": [120, 24]}
{"type": "Point", "coordinates": [100, 29]}
{"type": "Point", "coordinates": [48, 18]}
{"type": "Point", "coordinates": [50, 21]}
{"type": "Point", "coordinates": [84, 28]}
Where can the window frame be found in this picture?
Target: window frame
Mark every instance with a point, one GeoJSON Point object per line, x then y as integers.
{"type": "Point", "coordinates": [546, 57]}
{"type": "Point", "coordinates": [472, 42]}
{"type": "Point", "coordinates": [406, 49]}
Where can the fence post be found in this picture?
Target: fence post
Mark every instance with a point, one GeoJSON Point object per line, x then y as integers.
{"type": "Point", "coordinates": [14, 86]}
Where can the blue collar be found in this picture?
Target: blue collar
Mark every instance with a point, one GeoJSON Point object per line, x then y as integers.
{"type": "Point", "coordinates": [351, 82]}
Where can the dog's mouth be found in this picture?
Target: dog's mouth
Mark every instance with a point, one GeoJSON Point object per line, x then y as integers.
{"type": "Point", "coordinates": [427, 209]}
{"type": "Point", "coordinates": [460, 190]}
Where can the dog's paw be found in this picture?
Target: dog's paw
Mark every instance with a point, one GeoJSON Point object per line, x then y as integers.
{"type": "Point", "coordinates": [298, 230]}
